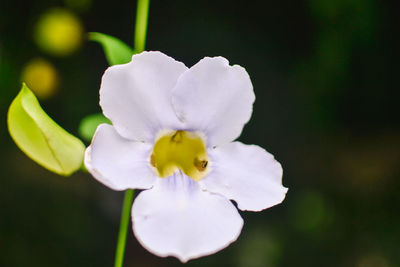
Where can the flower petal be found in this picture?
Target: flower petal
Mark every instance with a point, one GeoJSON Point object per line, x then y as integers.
{"type": "Point", "coordinates": [117, 162]}
{"type": "Point", "coordinates": [247, 174]}
{"type": "Point", "coordinates": [214, 98]}
{"type": "Point", "coordinates": [136, 96]}
{"type": "Point", "coordinates": [176, 218]}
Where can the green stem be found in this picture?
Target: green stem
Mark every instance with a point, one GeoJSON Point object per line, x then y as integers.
{"type": "Point", "coordinates": [123, 228]}
{"type": "Point", "coordinates": [142, 13]}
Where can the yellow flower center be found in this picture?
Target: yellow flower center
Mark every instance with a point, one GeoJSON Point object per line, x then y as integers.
{"type": "Point", "coordinates": [180, 150]}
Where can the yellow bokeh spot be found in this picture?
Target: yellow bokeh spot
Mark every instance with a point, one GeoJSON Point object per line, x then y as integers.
{"type": "Point", "coordinates": [59, 32]}
{"type": "Point", "coordinates": [42, 77]}
{"type": "Point", "coordinates": [180, 150]}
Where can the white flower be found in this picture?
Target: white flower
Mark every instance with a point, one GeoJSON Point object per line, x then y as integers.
{"type": "Point", "coordinates": [172, 135]}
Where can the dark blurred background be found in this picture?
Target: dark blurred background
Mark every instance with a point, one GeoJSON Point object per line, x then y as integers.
{"type": "Point", "coordinates": [325, 76]}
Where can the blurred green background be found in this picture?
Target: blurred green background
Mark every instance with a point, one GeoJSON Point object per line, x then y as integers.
{"type": "Point", "coordinates": [325, 77]}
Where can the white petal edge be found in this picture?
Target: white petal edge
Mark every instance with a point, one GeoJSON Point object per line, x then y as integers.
{"type": "Point", "coordinates": [247, 174]}
{"type": "Point", "coordinates": [136, 96]}
{"type": "Point", "coordinates": [176, 218]}
{"type": "Point", "coordinates": [117, 162]}
{"type": "Point", "coordinates": [214, 98]}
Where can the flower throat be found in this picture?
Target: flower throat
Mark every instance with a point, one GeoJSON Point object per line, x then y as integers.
{"type": "Point", "coordinates": [180, 150]}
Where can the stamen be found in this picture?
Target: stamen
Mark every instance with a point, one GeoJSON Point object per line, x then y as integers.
{"type": "Point", "coordinates": [152, 160]}
{"type": "Point", "coordinates": [201, 165]}
{"type": "Point", "coordinates": [177, 137]}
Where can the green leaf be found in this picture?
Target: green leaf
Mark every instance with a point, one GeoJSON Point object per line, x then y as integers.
{"type": "Point", "coordinates": [89, 124]}
{"type": "Point", "coordinates": [39, 137]}
{"type": "Point", "coordinates": [116, 51]}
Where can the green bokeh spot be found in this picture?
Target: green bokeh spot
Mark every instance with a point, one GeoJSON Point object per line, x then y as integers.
{"type": "Point", "coordinates": [310, 212]}
{"type": "Point", "coordinates": [89, 124]}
